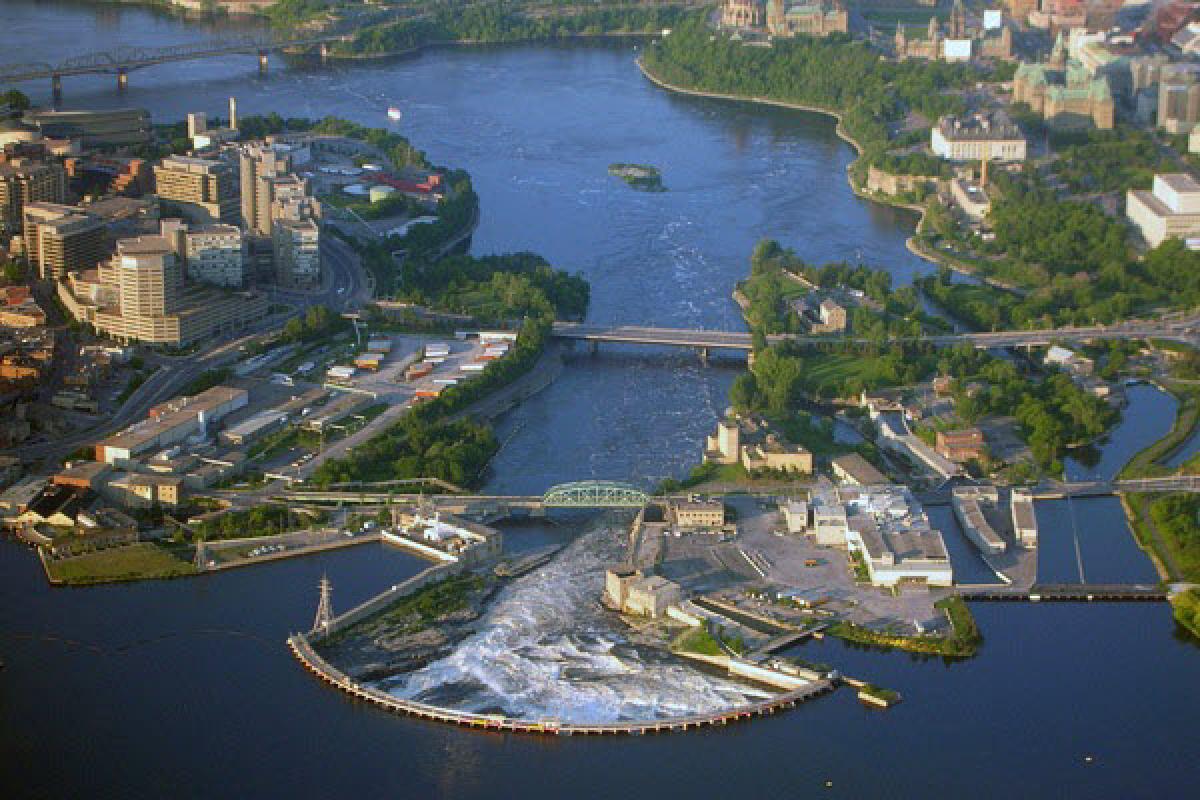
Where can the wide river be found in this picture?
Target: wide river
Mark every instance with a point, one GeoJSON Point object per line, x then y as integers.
{"type": "Point", "coordinates": [185, 689]}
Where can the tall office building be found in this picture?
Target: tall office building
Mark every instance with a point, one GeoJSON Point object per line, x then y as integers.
{"type": "Point", "coordinates": [1179, 98]}
{"type": "Point", "coordinates": [204, 189]}
{"type": "Point", "coordinates": [149, 276]}
{"type": "Point", "coordinates": [212, 254]}
{"type": "Point", "coordinates": [261, 165]}
{"type": "Point", "coordinates": [24, 181]}
{"type": "Point", "coordinates": [297, 249]}
{"type": "Point", "coordinates": [62, 239]}
{"type": "Point", "coordinates": [140, 294]}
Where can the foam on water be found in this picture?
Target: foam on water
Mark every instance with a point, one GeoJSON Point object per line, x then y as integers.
{"type": "Point", "coordinates": [547, 650]}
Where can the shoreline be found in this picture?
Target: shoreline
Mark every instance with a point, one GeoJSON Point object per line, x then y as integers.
{"type": "Point", "coordinates": [910, 242]}
{"type": "Point", "coordinates": [436, 44]}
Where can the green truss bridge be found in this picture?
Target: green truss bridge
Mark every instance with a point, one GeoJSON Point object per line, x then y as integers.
{"type": "Point", "coordinates": [594, 494]}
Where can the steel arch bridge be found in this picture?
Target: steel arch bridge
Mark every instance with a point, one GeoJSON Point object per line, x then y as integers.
{"type": "Point", "coordinates": [594, 494]}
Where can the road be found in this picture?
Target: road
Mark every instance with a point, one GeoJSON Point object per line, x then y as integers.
{"type": "Point", "coordinates": [345, 288]}
{"type": "Point", "coordinates": [1179, 327]}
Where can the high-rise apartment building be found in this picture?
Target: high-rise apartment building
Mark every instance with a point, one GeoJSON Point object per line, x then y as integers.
{"type": "Point", "coordinates": [62, 239]}
{"type": "Point", "coordinates": [297, 248]}
{"type": "Point", "coordinates": [213, 254]}
{"type": "Point", "coordinates": [205, 190]}
{"type": "Point", "coordinates": [24, 181]}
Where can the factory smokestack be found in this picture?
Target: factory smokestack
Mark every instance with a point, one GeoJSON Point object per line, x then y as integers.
{"type": "Point", "coordinates": [233, 113]}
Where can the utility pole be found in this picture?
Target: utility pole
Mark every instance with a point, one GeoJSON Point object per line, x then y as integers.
{"type": "Point", "coordinates": [324, 607]}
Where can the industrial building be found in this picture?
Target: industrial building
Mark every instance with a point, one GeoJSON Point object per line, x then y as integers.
{"type": "Point", "coordinates": [1024, 519]}
{"type": "Point", "coordinates": [890, 531]}
{"type": "Point", "coordinates": [171, 423]}
{"type": "Point", "coordinates": [969, 503]}
{"type": "Point", "coordinates": [749, 441]}
{"type": "Point", "coordinates": [854, 469]}
{"type": "Point", "coordinates": [633, 592]}
{"type": "Point", "coordinates": [697, 513]}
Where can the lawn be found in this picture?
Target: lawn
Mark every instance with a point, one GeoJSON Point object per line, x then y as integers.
{"type": "Point", "coordinates": [141, 561]}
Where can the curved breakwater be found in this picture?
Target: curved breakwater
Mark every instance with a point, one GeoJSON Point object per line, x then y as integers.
{"type": "Point", "coordinates": [303, 650]}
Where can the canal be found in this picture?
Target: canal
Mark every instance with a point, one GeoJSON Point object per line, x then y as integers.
{"type": "Point", "coordinates": [185, 688]}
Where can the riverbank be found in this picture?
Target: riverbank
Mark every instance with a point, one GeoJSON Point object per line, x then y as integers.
{"type": "Point", "coordinates": [418, 49]}
{"type": "Point", "coordinates": [912, 243]}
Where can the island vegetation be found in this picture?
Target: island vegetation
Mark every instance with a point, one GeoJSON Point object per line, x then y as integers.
{"type": "Point", "coordinates": [639, 176]}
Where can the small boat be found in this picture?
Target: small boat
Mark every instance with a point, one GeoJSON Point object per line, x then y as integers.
{"type": "Point", "coordinates": [394, 114]}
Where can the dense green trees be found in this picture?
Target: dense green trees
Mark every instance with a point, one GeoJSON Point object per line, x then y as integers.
{"type": "Point", "coordinates": [453, 451]}
{"type": "Point", "coordinates": [1053, 413]}
{"type": "Point", "coordinates": [507, 22]}
{"type": "Point", "coordinates": [834, 73]}
{"type": "Point", "coordinates": [1177, 517]}
{"type": "Point", "coordinates": [318, 322]}
{"type": "Point", "coordinates": [1108, 161]}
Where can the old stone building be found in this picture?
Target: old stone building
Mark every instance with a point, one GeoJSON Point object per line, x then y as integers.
{"type": "Point", "coordinates": [1064, 93]}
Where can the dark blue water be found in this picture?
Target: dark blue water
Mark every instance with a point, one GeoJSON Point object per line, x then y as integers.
{"type": "Point", "coordinates": [184, 688]}
{"type": "Point", "coordinates": [969, 566]}
{"type": "Point", "coordinates": [1106, 547]}
{"type": "Point", "coordinates": [1147, 418]}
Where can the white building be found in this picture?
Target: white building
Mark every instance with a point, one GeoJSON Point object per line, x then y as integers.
{"type": "Point", "coordinates": [888, 528]}
{"type": "Point", "coordinates": [989, 136]}
{"type": "Point", "coordinates": [1171, 209]}
{"type": "Point", "coordinates": [795, 515]}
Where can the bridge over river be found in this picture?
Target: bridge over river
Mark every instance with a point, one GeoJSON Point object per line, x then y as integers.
{"type": "Point", "coordinates": [121, 61]}
{"type": "Point", "coordinates": [1178, 327]}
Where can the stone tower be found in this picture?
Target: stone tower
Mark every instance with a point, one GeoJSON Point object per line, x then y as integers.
{"type": "Point", "coordinates": [776, 17]}
{"type": "Point", "coordinates": [958, 21]}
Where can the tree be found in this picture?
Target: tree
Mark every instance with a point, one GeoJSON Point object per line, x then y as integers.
{"type": "Point", "coordinates": [744, 392]}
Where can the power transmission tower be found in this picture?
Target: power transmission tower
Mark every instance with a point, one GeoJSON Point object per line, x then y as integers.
{"type": "Point", "coordinates": [324, 607]}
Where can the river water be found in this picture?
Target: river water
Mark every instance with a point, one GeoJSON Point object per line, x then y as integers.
{"type": "Point", "coordinates": [185, 687]}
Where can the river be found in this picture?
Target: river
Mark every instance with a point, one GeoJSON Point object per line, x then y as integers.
{"type": "Point", "coordinates": [185, 687]}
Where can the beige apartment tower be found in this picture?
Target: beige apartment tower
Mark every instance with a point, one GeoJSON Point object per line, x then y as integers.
{"type": "Point", "coordinates": [62, 239]}
{"type": "Point", "coordinates": [204, 189]}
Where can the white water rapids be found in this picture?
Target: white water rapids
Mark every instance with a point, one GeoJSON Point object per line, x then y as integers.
{"type": "Point", "coordinates": [546, 649]}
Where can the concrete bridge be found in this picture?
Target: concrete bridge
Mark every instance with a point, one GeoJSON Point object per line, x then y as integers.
{"type": "Point", "coordinates": [122, 60]}
{"type": "Point", "coordinates": [1179, 327]}
{"type": "Point", "coordinates": [1066, 592]}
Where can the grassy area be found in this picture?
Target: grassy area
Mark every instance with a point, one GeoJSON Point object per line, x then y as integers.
{"type": "Point", "coordinates": [1177, 519]}
{"type": "Point", "coordinates": [425, 606]}
{"type": "Point", "coordinates": [1186, 606]}
{"type": "Point", "coordinates": [962, 643]}
{"type": "Point", "coordinates": [698, 640]}
{"type": "Point", "coordinates": [141, 561]}
{"type": "Point", "coordinates": [861, 573]}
